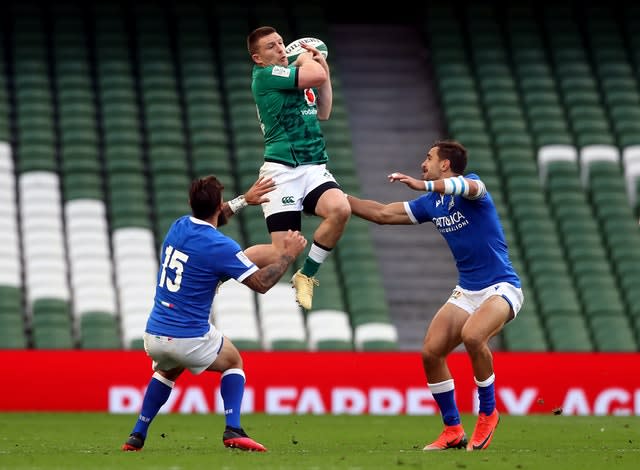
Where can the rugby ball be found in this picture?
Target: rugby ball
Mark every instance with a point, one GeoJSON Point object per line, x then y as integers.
{"type": "Point", "coordinates": [294, 49]}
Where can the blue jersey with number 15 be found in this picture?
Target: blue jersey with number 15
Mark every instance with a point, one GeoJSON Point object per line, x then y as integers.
{"type": "Point", "coordinates": [194, 258]}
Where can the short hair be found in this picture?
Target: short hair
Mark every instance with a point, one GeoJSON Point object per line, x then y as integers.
{"type": "Point", "coordinates": [205, 196]}
{"type": "Point", "coordinates": [455, 153]}
{"type": "Point", "coordinates": [256, 35]}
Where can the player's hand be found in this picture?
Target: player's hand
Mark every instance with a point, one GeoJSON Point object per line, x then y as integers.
{"type": "Point", "coordinates": [256, 193]}
{"type": "Point", "coordinates": [413, 183]}
{"type": "Point", "coordinates": [315, 53]}
{"type": "Point", "coordinates": [294, 243]}
{"type": "Point", "coordinates": [303, 57]}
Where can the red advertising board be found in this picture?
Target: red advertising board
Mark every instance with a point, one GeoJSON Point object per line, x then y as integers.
{"type": "Point", "coordinates": [324, 383]}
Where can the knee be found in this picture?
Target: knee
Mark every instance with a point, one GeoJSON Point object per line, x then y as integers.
{"type": "Point", "coordinates": [472, 340]}
{"type": "Point", "coordinates": [236, 362]}
{"type": "Point", "coordinates": [431, 357]}
{"type": "Point", "coordinates": [341, 212]}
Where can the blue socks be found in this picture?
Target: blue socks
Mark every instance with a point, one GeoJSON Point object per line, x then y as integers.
{"type": "Point", "coordinates": [232, 390]}
{"type": "Point", "coordinates": [487, 394]}
{"type": "Point", "coordinates": [443, 394]}
{"type": "Point", "coordinates": [157, 394]}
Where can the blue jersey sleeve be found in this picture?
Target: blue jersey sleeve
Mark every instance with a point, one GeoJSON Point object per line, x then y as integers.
{"type": "Point", "coordinates": [234, 263]}
{"type": "Point", "coordinates": [419, 209]}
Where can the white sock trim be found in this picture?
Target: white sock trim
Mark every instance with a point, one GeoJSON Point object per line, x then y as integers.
{"type": "Point", "coordinates": [234, 371]}
{"type": "Point", "coordinates": [318, 254]}
{"type": "Point", "coordinates": [164, 380]}
{"type": "Point", "coordinates": [441, 387]}
{"type": "Point", "coordinates": [486, 382]}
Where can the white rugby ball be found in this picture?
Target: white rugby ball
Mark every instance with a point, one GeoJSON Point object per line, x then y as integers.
{"type": "Point", "coordinates": [294, 49]}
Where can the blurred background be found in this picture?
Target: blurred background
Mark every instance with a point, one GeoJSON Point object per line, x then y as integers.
{"type": "Point", "coordinates": [109, 109]}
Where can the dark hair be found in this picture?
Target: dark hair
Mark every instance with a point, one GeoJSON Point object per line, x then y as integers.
{"type": "Point", "coordinates": [256, 35]}
{"type": "Point", "coordinates": [205, 197]}
{"type": "Point", "coordinates": [455, 153]}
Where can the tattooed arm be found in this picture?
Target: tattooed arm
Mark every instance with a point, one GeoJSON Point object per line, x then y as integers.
{"type": "Point", "coordinates": [266, 277]}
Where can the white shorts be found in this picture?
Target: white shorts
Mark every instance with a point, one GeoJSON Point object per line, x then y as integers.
{"type": "Point", "coordinates": [292, 185]}
{"type": "Point", "coordinates": [195, 354]}
{"type": "Point", "coordinates": [470, 300]}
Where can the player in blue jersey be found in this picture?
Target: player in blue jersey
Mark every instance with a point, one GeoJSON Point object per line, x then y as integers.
{"type": "Point", "coordinates": [487, 295]}
{"type": "Point", "coordinates": [291, 99]}
{"type": "Point", "coordinates": [195, 258]}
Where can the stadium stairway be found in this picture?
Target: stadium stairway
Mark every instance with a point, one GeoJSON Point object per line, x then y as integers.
{"type": "Point", "coordinates": [387, 85]}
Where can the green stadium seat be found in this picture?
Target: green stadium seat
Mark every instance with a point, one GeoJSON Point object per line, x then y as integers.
{"type": "Point", "coordinates": [99, 330]}
{"type": "Point", "coordinates": [613, 334]}
{"type": "Point", "coordinates": [525, 333]}
{"type": "Point", "coordinates": [568, 334]}
{"type": "Point", "coordinates": [12, 326]}
{"type": "Point", "coordinates": [247, 345]}
{"type": "Point", "coordinates": [13, 337]}
{"type": "Point", "coordinates": [288, 345]}
{"type": "Point", "coordinates": [136, 344]}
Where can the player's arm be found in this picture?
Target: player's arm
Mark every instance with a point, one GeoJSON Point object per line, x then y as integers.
{"type": "Point", "coordinates": [457, 185]}
{"type": "Point", "coordinates": [325, 91]}
{"type": "Point", "coordinates": [325, 100]}
{"type": "Point", "coordinates": [383, 214]}
{"type": "Point", "coordinates": [266, 277]}
{"type": "Point", "coordinates": [311, 73]}
{"type": "Point", "coordinates": [254, 196]}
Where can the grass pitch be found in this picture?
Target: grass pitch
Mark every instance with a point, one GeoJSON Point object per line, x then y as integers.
{"type": "Point", "coordinates": [177, 442]}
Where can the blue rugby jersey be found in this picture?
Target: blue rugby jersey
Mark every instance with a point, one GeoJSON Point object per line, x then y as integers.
{"type": "Point", "coordinates": [194, 258]}
{"type": "Point", "coordinates": [474, 234]}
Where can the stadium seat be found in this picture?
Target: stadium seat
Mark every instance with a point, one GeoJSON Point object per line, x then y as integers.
{"type": "Point", "coordinates": [554, 153]}
{"type": "Point", "coordinates": [234, 313]}
{"type": "Point", "coordinates": [568, 334]}
{"type": "Point", "coordinates": [375, 336]}
{"type": "Point", "coordinates": [135, 268]}
{"type": "Point", "coordinates": [329, 330]}
{"type": "Point", "coordinates": [591, 154]}
{"type": "Point", "coordinates": [525, 333]}
{"type": "Point", "coordinates": [281, 319]}
{"type": "Point", "coordinates": [613, 334]}
{"type": "Point", "coordinates": [12, 324]}
{"type": "Point", "coordinates": [51, 324]}
{"type": "Point", "coordinates": [631, 164]}
{"type": "Point", "coordinates": [99, 330]}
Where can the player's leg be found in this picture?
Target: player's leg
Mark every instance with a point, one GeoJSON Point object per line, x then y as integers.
{"type": "Point", "coordinates": [229, 363]}
{"type": "Point", "coordinates": [281, 213]}
{"type": "Point", "coordinates": [328, 202]}
{"type": "Point", "coordinates": [158, 389]}
{"type": "Point", "coordinates": [486, 322]}
{"type": "Point", "coordinates": [443, 335]}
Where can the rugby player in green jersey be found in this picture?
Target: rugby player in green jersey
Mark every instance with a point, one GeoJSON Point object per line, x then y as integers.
{"type": "Point", "coordinates": [291, 99]}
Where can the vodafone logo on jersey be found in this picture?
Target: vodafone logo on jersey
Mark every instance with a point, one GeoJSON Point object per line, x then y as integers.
{"type": "Point", "coordinates": [310, 96]}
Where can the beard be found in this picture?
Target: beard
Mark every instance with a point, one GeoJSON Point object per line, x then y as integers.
{"type": "Point", "coordinates": [222, 219]}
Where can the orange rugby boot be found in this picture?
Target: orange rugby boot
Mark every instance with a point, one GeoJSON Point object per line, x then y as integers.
{"type": "Point", "coordinates": [484, 430]}
{"type": "Point", "coordinates": [236, 438]}
{"type": "Point", "coordinates": [452, 437]}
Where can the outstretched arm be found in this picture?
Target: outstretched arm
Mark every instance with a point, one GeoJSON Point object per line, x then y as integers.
{"type": "Point", "coordinates": [382, 214]}
{"type": "Point", "coordinates": [459, 185]}
{"type": "Point", "coordinates": [413, 183]}
{"type": "Point", "coordinates": [254, 196]}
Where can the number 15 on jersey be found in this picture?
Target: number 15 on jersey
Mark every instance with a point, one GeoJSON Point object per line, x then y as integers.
{"type": "Point", "coordinates": [174, 260]}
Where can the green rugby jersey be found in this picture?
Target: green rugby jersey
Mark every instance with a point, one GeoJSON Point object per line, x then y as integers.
{"type": "Point", "coordinates": [288, 117]}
